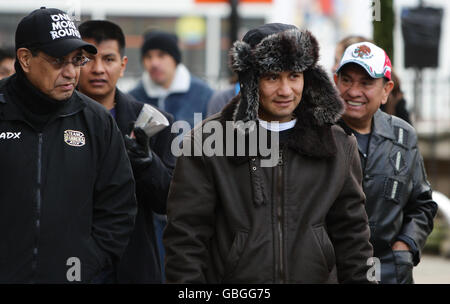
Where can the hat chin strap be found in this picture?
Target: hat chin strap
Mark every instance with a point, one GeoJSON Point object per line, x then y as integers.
{"type": "Point", "coordinates": [247, 108]}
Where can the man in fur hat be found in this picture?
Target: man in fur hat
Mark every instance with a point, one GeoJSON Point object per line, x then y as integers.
{"type": "Point", "coordinates": [232, 219]}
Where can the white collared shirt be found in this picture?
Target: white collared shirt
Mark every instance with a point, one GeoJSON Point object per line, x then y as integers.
{"type": "Point", "coordinates": [277, 127]}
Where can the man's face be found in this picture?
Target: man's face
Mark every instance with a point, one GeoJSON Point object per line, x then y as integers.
{"type": "Point", "coordinates": [100, 75]}
{"type": "Point", "coordinates": [6, 67]}
{"type": "Point", "coordinates": [160, 66]}
{"type": "Point", "coordinates": [54, 80]}
{"type": "Point", "coordinates": [362, 94]}
{"type": "Point", "coordinates": [279, 95]}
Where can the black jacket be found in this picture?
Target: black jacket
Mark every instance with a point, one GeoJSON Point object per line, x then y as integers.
{"type": "Point", "coordinates": [231, 220]}
{"type": "Point", "coordinates": [140, 262]}
{"type": "Point", "coordinates": [399, 202]}
{"type": "Point", "coordinates": [66, 193]}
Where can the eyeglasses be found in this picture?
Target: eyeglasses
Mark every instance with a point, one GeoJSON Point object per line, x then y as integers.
{"type": "Point", "coordinates": [58, 63]}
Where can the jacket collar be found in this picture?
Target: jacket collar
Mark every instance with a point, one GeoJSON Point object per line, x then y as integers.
{"type": "Point", "coordinates": [124, 112]}
{"type": "Point", "coordinates": [76, 104]}
{"type": "Point", "coordinates": [381, 125]}
{"type": "Point", "coordinates": [10, 111]}
{"type": "Point", "coordinates": [180, 83]}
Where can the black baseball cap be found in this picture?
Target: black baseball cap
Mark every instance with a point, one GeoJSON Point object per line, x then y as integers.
{"type": "Point", "coordinates": [52, 31]}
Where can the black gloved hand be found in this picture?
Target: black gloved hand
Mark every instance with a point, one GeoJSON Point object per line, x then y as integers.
{"type": "Point", "coordinates": [138, 150]}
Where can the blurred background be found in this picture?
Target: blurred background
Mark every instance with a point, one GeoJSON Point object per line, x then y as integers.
{"type": "Point", "coordinates": [415, 34]}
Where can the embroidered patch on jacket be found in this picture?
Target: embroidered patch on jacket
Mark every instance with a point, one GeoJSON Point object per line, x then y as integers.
{"type": "Point", "coordinates": [398, 161]}
{"type": "Point", "coordinates": [74, 138]}
{"type": "Point", "coordinates": [401, 136]}
{"type": "Point", "coordinates": [393, 189]}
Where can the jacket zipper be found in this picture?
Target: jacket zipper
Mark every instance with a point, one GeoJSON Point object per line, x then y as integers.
{"type": "Point", "coordinates": [364, 162]}
{"type": "Point", "coordinates": [38, 205]}
{"type": "Point", "coordinates": [280, 216]}
{"type": "Point", "coordinates": [363, 158]}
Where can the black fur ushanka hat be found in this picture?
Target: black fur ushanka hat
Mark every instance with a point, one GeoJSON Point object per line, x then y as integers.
{"type": "Point", "coordinates": [277, 47]}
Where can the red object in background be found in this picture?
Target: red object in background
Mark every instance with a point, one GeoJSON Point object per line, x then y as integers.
{"type": "Point", "coordinates": [327, 7]}
{"type": "Point", "coordinates": [226, 1]}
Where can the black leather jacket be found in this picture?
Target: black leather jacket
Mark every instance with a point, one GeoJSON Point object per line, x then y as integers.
{"type": "Point", "coordinates": [398, 196]}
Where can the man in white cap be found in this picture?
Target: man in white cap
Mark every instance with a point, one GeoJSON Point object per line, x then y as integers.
{"type": "Point", "coordinates": [67, 202]}
{"type": "Point", "coordinates": [399, 202]}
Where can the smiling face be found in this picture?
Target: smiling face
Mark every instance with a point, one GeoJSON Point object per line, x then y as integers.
{"type": "Point", "coordinates": [100, 75]}
{"type": "Point", "coordinates": [57, 82]}
{"type": "Point", "coordinates": [362, 94]}
{"type": "Point", "coordinates": [279, 95]}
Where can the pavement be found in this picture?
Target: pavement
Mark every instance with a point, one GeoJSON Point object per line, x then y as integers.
{"type": "Point", "coordinates": [432, 269]}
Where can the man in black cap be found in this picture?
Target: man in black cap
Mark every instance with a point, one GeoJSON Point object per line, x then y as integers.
{"type": "Point", "coordinates": [67, 190]}
{"type": "Point", "coordinates": [166, 82]}
{"type": "Point", "coordinates": [234, 218]}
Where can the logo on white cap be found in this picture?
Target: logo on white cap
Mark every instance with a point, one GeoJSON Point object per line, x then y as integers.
{"type": "Point", "coordinates": [363, 52]}
{"type": "Point", "coordinates": [371, 57]}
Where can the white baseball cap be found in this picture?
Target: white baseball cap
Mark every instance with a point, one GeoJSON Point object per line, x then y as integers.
{"type": "Point", "coordinates": [371, 57]}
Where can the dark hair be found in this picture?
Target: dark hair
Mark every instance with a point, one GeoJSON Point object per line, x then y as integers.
{"type": "Point", "coordinates": [101, 30]}
{"type": "Point", "coordinates": [7, 52]}
{"type": "Point", "coordinates": [343, 44]}
{"type": "Point", "coordinates": [349, 40]}
{"type": "Point", "coordinates": [34, 50]}
{"type": "Point", "coordinates": [397, 89]}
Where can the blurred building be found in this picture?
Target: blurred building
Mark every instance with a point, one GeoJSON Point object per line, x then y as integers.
{"type": "Point", "coordinates": [433, 121]}
{"type": "Point", "coordinates": [202, 25]}
{"type": "Point", "coordinates": [203, 28]}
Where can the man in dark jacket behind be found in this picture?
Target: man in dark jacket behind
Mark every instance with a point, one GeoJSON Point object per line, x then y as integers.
{"type": "Point", "coordinates": [399, 202]}
{"type": "Point", "coordinates": [242, 218]}
{"type": "Point", "coordinates": [151, 159]}
{"type": "Point", "coordinates": [167, 84]}
{"type": "Point", "coordinates": [67, 202]}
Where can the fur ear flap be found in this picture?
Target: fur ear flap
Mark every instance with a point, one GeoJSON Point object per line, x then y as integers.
{"type": "Point", "coordinates": [240, 57]}
{"type": "Point", "coordinates": [247, 108]}
{"type": "Point", "coordinates": [321, 95]}
{"type": "Point", "coordinates": [241, 62]}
